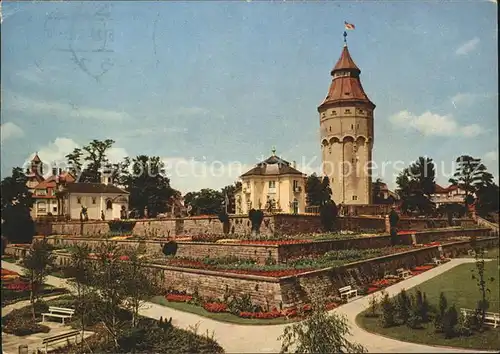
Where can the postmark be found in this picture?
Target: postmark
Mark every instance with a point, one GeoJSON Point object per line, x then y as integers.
{"type": "Point", "coordinates": [86, 35]}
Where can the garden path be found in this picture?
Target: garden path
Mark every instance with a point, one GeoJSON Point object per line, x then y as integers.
{"type": "Point", "coordinates": [10, 342]}
{"type": "Point", "coordinates": [263, 339]}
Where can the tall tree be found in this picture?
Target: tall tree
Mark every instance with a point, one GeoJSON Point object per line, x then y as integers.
{"type": "Point", "coordinates": [94, 160]}
{"type": "Point", "coordinates": [230, 191]}
{"type": "Point", "coordinates": [205, 202]}
{"type": "Point", "coordinates": [16, 202]}
{"type": "Point", "coordinates": [487, 193]}
{"type": "Point", "coordinates": [318, 191]}
{"type": "Point", "coordinates": [37, 263]}
{"type": "Point", "coordinates": [468, 176]}
{"type": "Point", "coordinates": [148, 185]}
{"type": "Point", "coordinates": [416, 184]}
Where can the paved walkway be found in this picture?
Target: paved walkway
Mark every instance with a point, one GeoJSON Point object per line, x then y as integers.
{"type": "Point", "coordinates": [10, 342]}
{"type": "Point", "coordinates": [263, 339]}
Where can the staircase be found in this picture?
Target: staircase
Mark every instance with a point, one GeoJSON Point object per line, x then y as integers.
{"type": "Point", "coordinates": [485, 223]}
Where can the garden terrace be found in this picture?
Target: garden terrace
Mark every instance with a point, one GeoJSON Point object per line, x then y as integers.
{"type": "Point", "coordinates": [272, 225]}
{"type": "Point", "coordinates": [278, 250]}
{"type": "Point", "coordinates": [288, 291]}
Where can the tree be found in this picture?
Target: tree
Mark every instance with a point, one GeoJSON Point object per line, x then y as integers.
{"type": "Point", "coordinates": [468, 176]}
{"type": "Point", "coordinates": [230, 191]}
{"type": "Point", "coordinates": [416, 184]}
{"type": "Point", "coordinates": [318, 190]}
{"type": "Point", "coordinates": [440, 315]}
{"type": "Point", "coordinates": [487, 193]}
{"type": "Point", "coordinates": [80, 268]}
{"type": "Point", "coordinates": [321, 332]}
{"type": "Point", "coordinates": [141, 282]}
{"type": "Point", "coordinates": [109, 277]}
{"type": "Point", "coordinates": [37, 263]}
{"type": "Point", "coordinates": [388, 311]}
{"type": "Point", "coordinates": [481, 282]}
{"type": "Point", "coordinates": [94, 157]}
{"type": "Point", "coordinates": [328, 214]}
{"type": "Point", "coordinates": [147, 184]}
{"type": "Point", "coordinates": [16, 202]}
{"type": "Point", "coordinates": [205, 202]}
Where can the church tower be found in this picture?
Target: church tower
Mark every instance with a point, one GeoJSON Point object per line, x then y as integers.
{"type": "Point", "coordinates": [346, 125]}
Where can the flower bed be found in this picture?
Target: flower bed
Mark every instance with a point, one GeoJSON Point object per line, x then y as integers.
{"type": "Point", "coordinates": [215, 307]}
{"type": "Point", "coordinates": [18, 286]}
{"type": "Point", "coordinates": [406, 232]}
{"type": "Point", "coordinates": [178, 298]}
{"type": "Point", "coordinates": [274, 242]}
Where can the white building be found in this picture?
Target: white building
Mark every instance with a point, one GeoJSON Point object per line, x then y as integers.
{"type": "Point", "coordinates": [96, 198]}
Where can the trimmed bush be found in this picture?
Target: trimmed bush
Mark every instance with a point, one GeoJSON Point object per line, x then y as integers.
{"type": "Point", "coordinates": [256, 217]}
{"type": "Point", "coordinates": [170, 248]}
{"type": "Point", "coordinates": [121, 227]}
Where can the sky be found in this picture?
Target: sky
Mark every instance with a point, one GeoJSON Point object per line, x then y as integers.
{"type": "Point", "coordinates": [212, 86]}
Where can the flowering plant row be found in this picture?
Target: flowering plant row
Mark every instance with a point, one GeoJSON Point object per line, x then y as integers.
{"type": "Point", "coordinates": [215, 307]}
{"type": "Point", "coordinates": [179, 298]}
{"type": "Point", "coordinates": [18, 286]}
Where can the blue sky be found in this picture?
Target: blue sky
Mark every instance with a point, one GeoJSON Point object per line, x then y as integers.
{"type": "Point", "coordinates": [226, 81]}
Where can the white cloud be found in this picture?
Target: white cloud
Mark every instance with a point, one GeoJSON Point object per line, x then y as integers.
{"type": "Point", "coordinates": [430, 124]}
{"type": "Point", "coordinates": [467, 47]}
{"type": "Point", "coordinates": [491, 156]}
{"type": "Point", "coordinates": [62, 110]}
{"type": "Point", "coordinates": [467, 99]}
{"type": "Point", "coordinates": [188, 175]}
{"type": "Point", "coordinates": [10, 130]}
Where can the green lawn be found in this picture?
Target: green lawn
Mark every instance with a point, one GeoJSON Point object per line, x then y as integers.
{"type": "Point", "coordinates": [460, 289]}
{"type": "Point", "coordinates": [222, 317]}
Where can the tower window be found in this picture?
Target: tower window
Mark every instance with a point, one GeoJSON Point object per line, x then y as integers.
{"type": "Point", "coordinates": [323, 115]}
{"type": "Point", "coordinates": [79, 200]}
{"type": "Point", "coordinates": [93, 200]}
{"type": "Point", "coordinates": [354, 197]}
{"type": "Point", "coordinates": [347, 111]}
{"type": "Point", "coordinates": [357, 126]}
{"type": "Point", "coordinates": [352, 126]}
{"type": "Point", "coordinates": [330, 128]}
{"type": "Point", "coordinates": [334, 113]}
{"type": "Point", "coordinates": [353, 160]}
{"type": "Point", "coordinates": [361, 111]}
{"type": "Point", "coordinates": [272, 184]}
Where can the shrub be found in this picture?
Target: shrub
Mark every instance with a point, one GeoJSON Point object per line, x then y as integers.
{"type": "Point", "coordinates": [464, 325]}
{"type": "Point", "coordinates": [374, 305]}
{"type": "Point", "coordinates": [22, 326]}
{"type": "Point", "coordinates": [441, 311]}
{"type": "Point", "coordinates": [121, 227]}
{"type": "Point", "coordinates": [388, 311]}
{"type": "Point", "coordinates": [256, 217]}
{"type": "Point", "coordinates": [403, 306]}
{"type": "Point", "coordinates": [170, 248]}
{"type": "Point", "coordinates": [242, 304]}
{"type": "Point", "coordinates": [450, 320]}
{"type": "Point", "coordinates": [328, 214]}
{"type": "Point", "coordinates": [421, 306]}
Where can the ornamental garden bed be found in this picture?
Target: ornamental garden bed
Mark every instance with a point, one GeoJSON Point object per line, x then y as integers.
{"type": "Point", "coordinates": [294, 266]}
{"type": "Point", "coordinates": [238, 310]}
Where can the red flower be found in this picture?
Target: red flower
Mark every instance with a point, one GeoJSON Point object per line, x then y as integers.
{"type": "Point", "coordinates": [215, 307]}
{"type": "Point", "coordinates": [124, 258]}
{"type": "Point", "coordinates": [178, 298]}
{"type": "Point", "coordinates": [275, 242]}
{"type": "Point", "coordinates": [331, 306]}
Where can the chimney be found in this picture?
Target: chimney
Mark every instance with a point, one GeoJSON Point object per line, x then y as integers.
{"type": "Point", "coordinates": [294, 164]}
{"type": "Point", "coordinates": [54, 171]}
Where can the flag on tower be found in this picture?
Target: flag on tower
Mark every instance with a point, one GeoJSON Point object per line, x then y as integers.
{"type": "Point", "coordinates": [349, 26]}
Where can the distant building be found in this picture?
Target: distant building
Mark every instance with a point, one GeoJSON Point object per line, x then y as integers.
{"type": "Point", "coordinates": [382, 194]}
{"type": "Point", "coordinates": [44, 194]}
{"type": "Point", "coordinates": [34, 173]}
{"type": "Point", "coordinates": [273, 184]}
{"type": "Point", "coordinates": [449, 195]}
{"type": "Point", "coordinates": [95, 197]}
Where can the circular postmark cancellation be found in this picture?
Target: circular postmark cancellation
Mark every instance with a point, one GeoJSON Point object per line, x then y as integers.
{"type": "Point", "coordinates": [86, 35]}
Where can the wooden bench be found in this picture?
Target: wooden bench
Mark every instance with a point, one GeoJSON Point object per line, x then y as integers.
{"type": "Point", "coordinates": [490, 318]}
{"type": "Point", "coordinates": [59, 337]}
{"type": "Point", "coordinates": [59, 312]}
{"type": "Point", "coordinates": [403, 273]}
{"type": "Point", "coordinates": [347, 292]}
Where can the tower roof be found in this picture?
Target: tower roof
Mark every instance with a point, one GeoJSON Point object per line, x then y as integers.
{"type": "Point", "coordinates": [346, 86]}
{"type": "Point", "coordinates": [345, 62]}
{"type": "Point", "coordinates": [36, 158]}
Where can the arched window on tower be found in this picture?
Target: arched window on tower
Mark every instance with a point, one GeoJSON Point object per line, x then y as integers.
{"type": "Point", "coordinates": [109, 204]}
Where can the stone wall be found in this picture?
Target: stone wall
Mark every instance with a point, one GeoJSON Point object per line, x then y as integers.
{"type": "Point", "coordinates": [278, 253]}
{"type": "Point", "coordinates": [293, 290]}
{"type": "Point", "coordinates": [272, 225]}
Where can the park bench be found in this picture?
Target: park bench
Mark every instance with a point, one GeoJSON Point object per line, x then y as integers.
{"type": "Point", "coordinates": [491, 318]}
{"type": "Point", "coordinates": [59, 312]}
{"type": "Point", "coordinates": [347, 292]}
{"type": "Point", "coordinates": [403, 273]}
{"type": "Point", "coordinates": [436, 261]}
{"type": "Point", "coordinates": [59, 337]}
{"type": "Point", "coordinates": [389, 275]}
